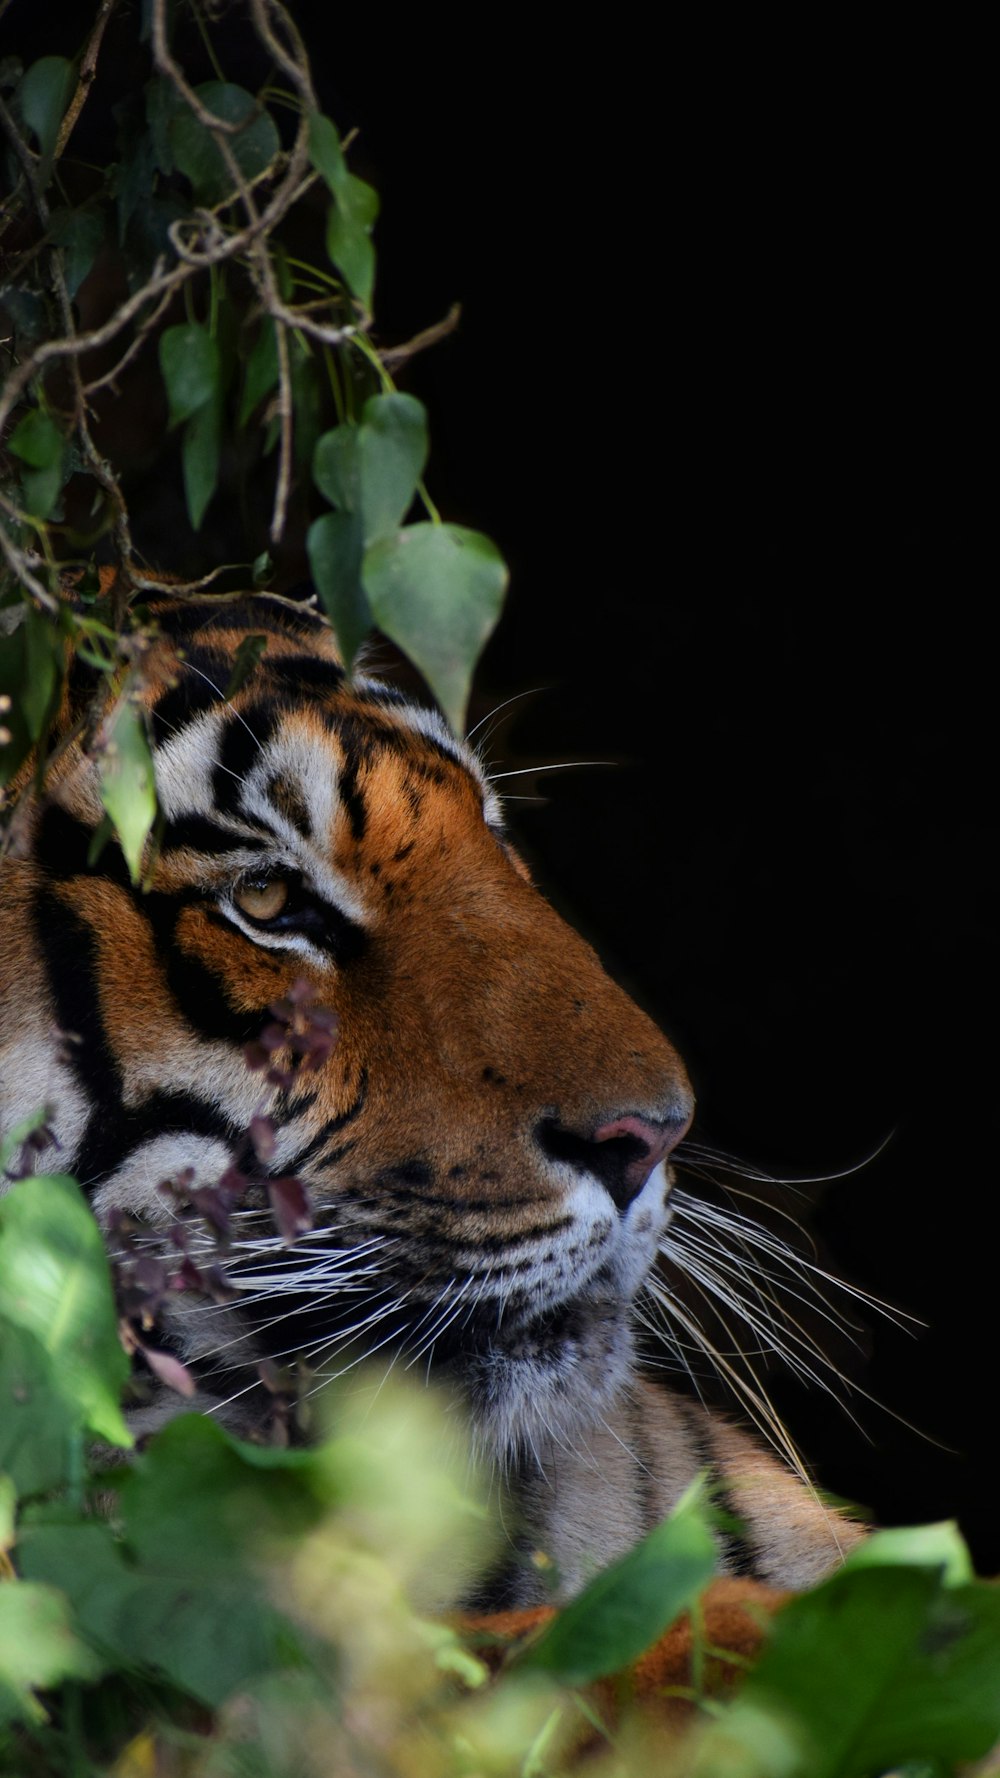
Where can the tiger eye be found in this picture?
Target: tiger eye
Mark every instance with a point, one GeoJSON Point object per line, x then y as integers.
{"type": "Point", "coordinates": [262, 901]}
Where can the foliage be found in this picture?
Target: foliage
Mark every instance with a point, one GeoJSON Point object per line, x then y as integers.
{"type": "Point", "coordinates": [224, 1608]}
{"type": "Point", "coordinates": [242, 241]}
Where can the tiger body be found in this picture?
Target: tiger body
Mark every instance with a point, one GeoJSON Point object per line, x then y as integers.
{"type": "Point", "coordinates": [487, 1146]}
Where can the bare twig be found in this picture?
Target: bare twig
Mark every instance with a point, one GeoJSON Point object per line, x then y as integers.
{"type": "Point", "coordinates": [22, 564]}
{"type": "Point", "coordinates": [296, 63]}
{"type": "Point", "coordinates": [429, 336]}
{"type": "Point", "coordinates": [88, 69]}
{"type": "Point", "coordinates": [111, 376]}
{"type": "Point", "coordinates": [175, 74]}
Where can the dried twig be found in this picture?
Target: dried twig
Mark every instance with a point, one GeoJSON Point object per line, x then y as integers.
{"type": "Point", "coordinates": [88, 69]}
{"type": "Point", "coordinates": [429, 336]}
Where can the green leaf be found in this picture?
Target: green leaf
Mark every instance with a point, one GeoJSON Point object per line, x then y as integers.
{"type": "Point", "coordinates": [189, 360]}
{"type": "Point", "coordinates": [631, 1603]}
{"type": "Point", "coordinates": [17, 1136]}
{"type": "Point", "coordinates": [38, 1423]}
{"type": "Point", "coordinates": [348, 237]}
{"type": "Point", "coordinates": [80, 234]}
{"type": "Point", "coordinates": [31, 670]}
{"type": "Point", "coordinates": [437, 590]}
{"type": "Point", "coordinates": [355, 208]}
{"type": "Point", "coordinates": [40, 490]}
{"type": "Point", "coordinates": [128, 787]}
{"type": "Point", "coordinates": [38, 1646]}
{"type": "Point", "coordinates": [197, 153]}
{"type": "Point", "coordinates": [200, 449]}
{"type": "Point", "coordinates": [261, 372]}
{"type": "Point", "coordinates": [325, 151]}
{"type": "Point", "coordinates": [37, 440]}
{"type": "Point", "coordinates": [884, 1664]}
{"type": "Point", "coordinates": [939, 1546]}
{"type": "Point", "coordinates": [55, 1287]}
{"type": "Point", "coordinates": [8, 1512]}
{"type": "Point", "coordinates": [247, 656]}
{"type": "Point", "coordinates": [186, 1593]}
{"type": "Point", "coordinates": [335, 547]}
{"type": "Point", "coordinates": [46, 91]}
{"type": "Point", "coordinates": [337, 467]}
{"type": "Point", "coordinates": [392, 451]}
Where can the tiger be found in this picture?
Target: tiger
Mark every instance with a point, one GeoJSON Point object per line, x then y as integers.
{"type": "Point", "coordinates": [486, 1144]}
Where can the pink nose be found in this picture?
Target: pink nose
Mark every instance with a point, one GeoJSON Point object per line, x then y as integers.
{"type": "Point", "coordinates": [640, 1145]}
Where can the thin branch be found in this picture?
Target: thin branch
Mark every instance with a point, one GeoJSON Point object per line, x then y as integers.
{"type": "Point", "coordinates": [21, 564]}
{"type": "Point", "coordinates": [111, 376]}
{"type": "Point", "coordinates": [296, 63]}
{"type": "Point", "coordinates": [285, 412]}
{"type": "Point", "coordinates": [175, 74]}
{"type": "Point", "coordinates": [88, 69]}
{"type": "Point", "coordinates": [429, 336]}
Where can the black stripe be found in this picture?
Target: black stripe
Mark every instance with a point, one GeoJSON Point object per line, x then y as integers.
{"type": "Point", "coordinates": [352, 798]}
{"type": "Point", "coordinates": [243, 741]}
{"type": "Point", "coordinates": [332, 1127]}
{"type": "Point", "coordinates": [196, 690]}
{"type": "Point", "coordinates": [255, 611]}
{"type": "Point", "coordinates": [69, 949]}
{"type": "Point", "coordinates": [109, 1142]}
{"type": "Point", "coordinates": [200, 993]}
{"type": "Point", "coordinates": [301, 671]}
{"type": "Point", "coordinates": [62, 844]}
{"type": "Point", "coordinates": [206, 835]}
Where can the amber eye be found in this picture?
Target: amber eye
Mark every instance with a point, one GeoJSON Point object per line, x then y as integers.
{"type": "Point", "coordinates": [263, 900]}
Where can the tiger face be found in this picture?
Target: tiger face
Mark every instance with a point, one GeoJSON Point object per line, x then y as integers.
{"type": "Point", "coordinates": [486, 1148]}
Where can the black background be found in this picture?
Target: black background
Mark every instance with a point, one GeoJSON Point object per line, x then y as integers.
{"type": "Point", "coordinates": [711, 395]}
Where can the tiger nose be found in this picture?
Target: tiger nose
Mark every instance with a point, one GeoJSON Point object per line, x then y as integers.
{"type": "Point", "coordinates": [621, 1153]}
{"type": "Point", "coordinates": [627, 1150]}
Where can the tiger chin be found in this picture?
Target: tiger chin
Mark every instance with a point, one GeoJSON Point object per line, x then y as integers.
{"type": "Point", "coordinates": [486, 1147]}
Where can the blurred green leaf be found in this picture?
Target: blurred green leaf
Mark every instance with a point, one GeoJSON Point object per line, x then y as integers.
{"type": "Point", "coordinates": [46, 90]}
{"type": "Point", "coordinates": [128, 787]}
{"type": "Point", "coordinates": [189, 360]}
{"type": "Point", "coordinates": [37, 440]}
{"type": "Point", "coordinates": [939, 1546]}
{"type": "Point", "coordinates": [325, 151]}
{"type": "Point", "coordinates": [246, 658]}
{"type": "Point", "coordinates": [8, 1511]}
{"type": "Point", "coordinates": [335, 542]}
{"type": "Point", "coordinates": [38, 1422]}
{"type": "Point", "coordinates": [31, 670]}
{"type": "Point", "coordinates": [630, 1604]}
{"type": "Point", "coordinates": [392, 451]}
{"type": "Point", "coordinates": [335, 547]}
{"type": "Point", "coordinates": [337, 467]}
{"type": "Point", "coordinates": [348, 237]}
{"type": "Point", "coordinates": [885, 1664]}
{"type": "Point", "coordinates": [40, 444]}
{"type": "Point", "coordinates": [200, 451]}
{"type": "Point", "coordinates": [55, 1288]}
{"type": "Point", "coordinates": [80, 234]}
{"type": "Point", "coordinates": [261, 373]}
{"type": "Point", "coordinates": [437, 590]}
{"type": "Point", "coordinates": [186, 1591]}
{"type": "Point", "coordinates": [15, 1138]}
{"type": "Point", "coordinates": [197, 153]}
{"type": "Point", "coordinates": [38, 1646]}
{"type": "Point", "coordinates": [355, 209]}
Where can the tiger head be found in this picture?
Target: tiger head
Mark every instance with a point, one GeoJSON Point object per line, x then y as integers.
{"type": "Point", "coordinates": [486, 1145]}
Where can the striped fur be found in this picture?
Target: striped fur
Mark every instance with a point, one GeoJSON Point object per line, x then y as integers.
{"type": "Point", "coordinates": [474, 1146]}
